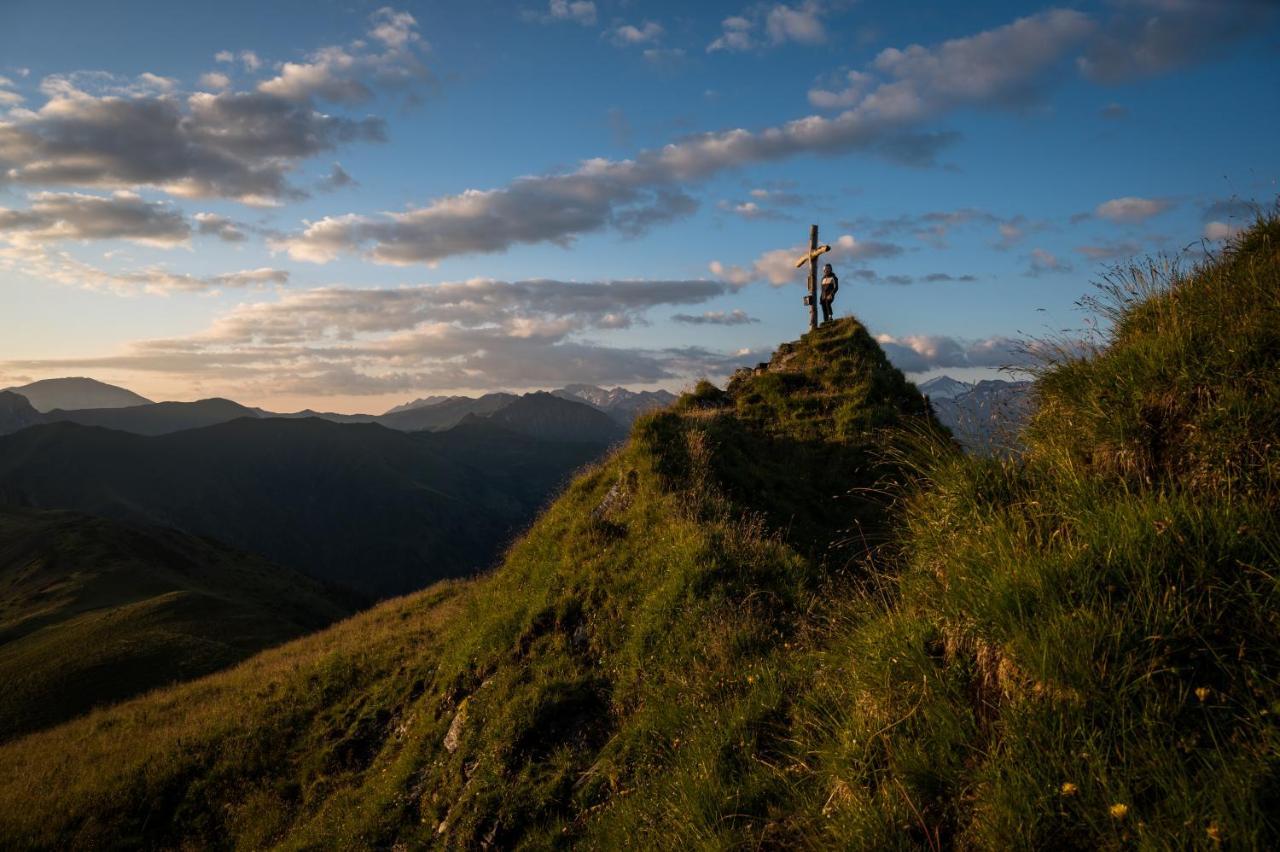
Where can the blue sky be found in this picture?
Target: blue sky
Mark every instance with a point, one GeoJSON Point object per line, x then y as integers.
{"type": "Point", "coordinates": [341, 205]}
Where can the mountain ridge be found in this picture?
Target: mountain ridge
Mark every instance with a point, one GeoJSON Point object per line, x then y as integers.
{"type": "Point", "coordinates": [76, 392]}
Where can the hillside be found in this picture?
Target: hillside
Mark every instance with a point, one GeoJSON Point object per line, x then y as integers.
{"type": "Point", "coordinates": [69, 393]}
{"type": "Point", "coordinates": [17, 413]}
{"type": "Point", "coordinates": [359, 505]}
{"type": "Point", "coordinates": [93, 611]}
{"type": "Point", "coordinates": [790, 614]}
{"type": "Point", "coordinates": [157, 418]}
{"type": "Point", "coordinates": [542, 415]}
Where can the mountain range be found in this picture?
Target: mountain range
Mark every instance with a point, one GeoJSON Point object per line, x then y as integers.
{"type": "Point", "coordinates": [579, 412]}
{"type": "Point", "coordinates": [985, 416]}
{"type": "Point", "coordinates": [374, 509]}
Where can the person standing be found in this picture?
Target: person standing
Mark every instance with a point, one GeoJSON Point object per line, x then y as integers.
{"type": "Point", "coordinates": [830, 285]}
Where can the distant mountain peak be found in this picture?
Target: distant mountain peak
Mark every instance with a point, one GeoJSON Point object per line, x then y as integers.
{"type": "Point", "coordinates": [944, 387]}
{"type": "Point", "coordinates": [77, 392]}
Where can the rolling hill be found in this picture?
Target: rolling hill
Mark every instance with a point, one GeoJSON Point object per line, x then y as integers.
{"type": "Point", "coordinates": [380, 511]}
{"type": "Point", "coordinates": [93, 611]}
{"type": "Point", "coordinates": [71, 393]}
{"type": "Point", "coordinates": [157, 418]}
{"type": "Point", "coordinates": [790, 613]}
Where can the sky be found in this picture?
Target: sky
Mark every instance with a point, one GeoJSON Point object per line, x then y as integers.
{"type": "Point", "coordinates": [345, 205]}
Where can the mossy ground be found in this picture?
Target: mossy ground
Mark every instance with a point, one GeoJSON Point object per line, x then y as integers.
{"type": "Point", "coordinates": [790, 614]}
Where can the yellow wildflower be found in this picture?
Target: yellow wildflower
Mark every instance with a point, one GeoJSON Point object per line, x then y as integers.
{"type": "Point", "coordinates": [1069, 789]}
{"type": "Point", "coordinates": [1119, 810]}
{"type": "Point", "coordinates": [1215, 833]}
{"type": "Point", "coordinates": [1203, 692]}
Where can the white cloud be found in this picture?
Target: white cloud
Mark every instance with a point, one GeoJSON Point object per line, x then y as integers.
{"type": "Point", "coordinates": [1221, 230]}
{"type": "Point", "coordinates": [1043, 262]}
{"type": "Point", "coordinates": [778, 267]}
{"type": "Point", "coordinates": [802, 23]}
{"type": "Point", "coordinates": [211, 224]}
{"type": "Point", "coordinates": [215, 81]}
{"type": "Point", "coordinates": [735, 35]}
{"type": "Point", "coordinates": [1131, 209]}
{"type": "Point", "coordinates": [54, 216]}
{"type": "Point", "coordinates": [734, 317]}
{"type": "Point", "coordinates": [41, 262]}
{"type": "Point", "coordinates": [104, 131]}
{"type": "Point", "coordinates": [629, 34]}
{"type": "Point", "coordinates": [579, 11]}
{"type": "Point", "coordinates": [778, 23]}
{"type": "Point", "coordinates": [842, 93]}
{"type": "Point", "coordinates": [471, 334]}
{"type": "Point", "coordinates": [342, 74]}
{"type": "Point", "coordinates": [920, 352]}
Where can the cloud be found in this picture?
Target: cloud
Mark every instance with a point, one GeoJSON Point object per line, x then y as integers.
{"type": "Point", "coordinates": [1041, 262]}
{"type": "Point", "coordinates": [211, 224]}
{"type": "Point", "coordinates": [336, 179]}
{"type": "Point", "coordinates": [841, 93]}
{"type": "Point", "coordinates": [779, 23]}
{"type": "Point", "coordinates": [8, 98]}
{"type": "Point", "coordinates": [935, 277]}
{"type": "Point", "coordinates": [1003, 66]}
{"type": "Point", "coordinates": [54, 216]}
{"type": "Point", "coordinates": [1221, 230]}
{"type": "Point", "coordinates": [935, 226]}
{"type": "Point", "coordinates": [778, 267]}
{"type": "Point", "coordinates": [215, 81]}
{"type": "Point", "coordinates": [802, 24]}
{"type": "Point", "coordinates": [59, 266]}
{"type": "Point", "coordinates": [579, 11]}
{"type": "Point", "coordinates": [99, 130]}
{"type": "Point", "coordinates": [921, 352]}
{"type": "Point", "coordinates": [247, 58]}
{"type": "Point", "coordinates": [342, 74]}
{"type": "Point", "coordinates": [1131, 209]}
{"type": "Point", "coordinates": [734, 317]}
{"type": "Point", "coordinates": [750, 210]}
{"type": "Point", "coordinates": [1149, 37]}
{"type": "Point", "coordinates": [471, 334]}
{"type": "Point", "coordinates": [629, 34]}
{"type": "Point", "coordinates": [735, 35]}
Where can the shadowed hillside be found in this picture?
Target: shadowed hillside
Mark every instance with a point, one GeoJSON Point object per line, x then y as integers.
{"type": "Point", "coordinates": [791, 614]}
{"type": "Point", "coordinates": [92, 611]}
{"type": "Point", "coordinates": [366, 507]}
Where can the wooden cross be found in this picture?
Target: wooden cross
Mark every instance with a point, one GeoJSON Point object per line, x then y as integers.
{"type": "Point", "coordinates": [815, 251]}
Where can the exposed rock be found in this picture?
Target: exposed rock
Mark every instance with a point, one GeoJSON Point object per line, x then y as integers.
{"type": "Point", "coordinates": [454, 736]}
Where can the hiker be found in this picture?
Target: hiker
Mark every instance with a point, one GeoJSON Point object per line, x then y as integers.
{"type": "Point", "coordinates": [830, 284]}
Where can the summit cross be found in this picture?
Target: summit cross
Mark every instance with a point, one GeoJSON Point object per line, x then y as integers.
{"type": "Point", "coordinates": [815, 251]}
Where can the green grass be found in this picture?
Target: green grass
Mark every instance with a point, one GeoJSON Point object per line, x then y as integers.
{"type": "Point", "coordinates": [93, 611]}
{"type": "Point", "coordinates": [790, 614]}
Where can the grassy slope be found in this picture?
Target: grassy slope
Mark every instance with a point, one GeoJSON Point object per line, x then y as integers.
{"type": "Point", "coordinates": [625, 620]}
{"type": "Point", "coordinates": [715, 638]}
{"type": "Point", "coordinates": [92, 611]}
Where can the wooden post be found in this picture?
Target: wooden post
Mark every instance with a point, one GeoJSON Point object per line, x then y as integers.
{"type": "Point", "coordinates": [813, 277]}
{"type": "Point", "coordinates": [815, 251]}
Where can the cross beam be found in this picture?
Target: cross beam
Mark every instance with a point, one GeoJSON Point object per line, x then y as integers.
{"type": "Point", "coordinates": [815, 251]}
